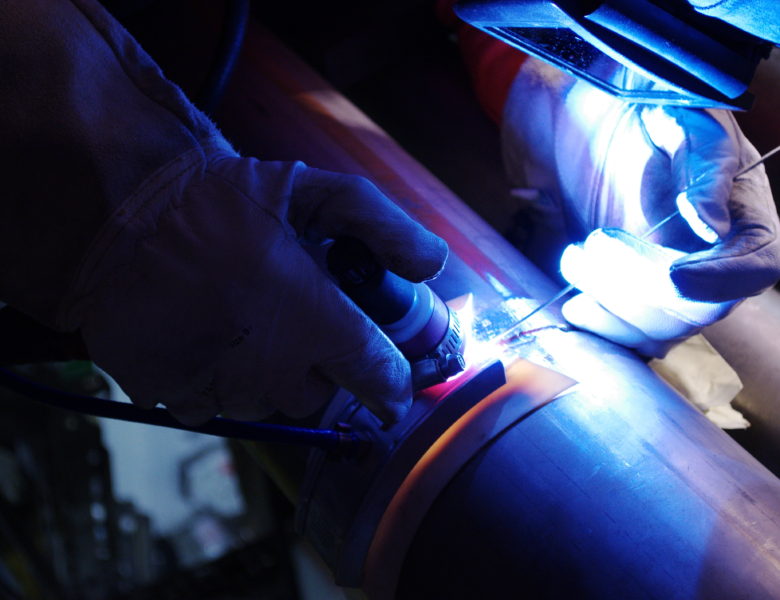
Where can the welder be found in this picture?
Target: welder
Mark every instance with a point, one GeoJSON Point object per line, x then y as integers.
{"type": "Point", "coordinates": [604, 168]}
{"type": "Point", "coordinates": [130, 219]}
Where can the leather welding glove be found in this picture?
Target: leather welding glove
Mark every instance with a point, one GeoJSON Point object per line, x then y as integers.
{"type": "Point", "coordinates": [582, 160]}
{"type": "Point", "coordinates": [128, 217]}
{"type": "Point", "coordinates": [628, 296]}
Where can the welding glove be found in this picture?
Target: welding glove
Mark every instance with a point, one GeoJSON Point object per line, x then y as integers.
{"type": "Point", "coordinates": [582, 159]}
{"type": "Point", "coordinates": [129, 218]}
{"type": "Point", "coordinates": [628, 296]}
{"type": "Point", "coordinates": [220, 308]}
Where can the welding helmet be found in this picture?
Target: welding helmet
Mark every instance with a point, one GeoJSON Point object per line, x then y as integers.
{"type": "Point", "coordinates": [656, 51]}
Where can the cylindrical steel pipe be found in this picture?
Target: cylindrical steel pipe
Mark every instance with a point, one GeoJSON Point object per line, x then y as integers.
{"type": "Point", "coordinates": [617, 489]}
{"type": "Point", "coordinates": [749, 339]}
{"type": "Point", "coordinates": [604, 493]}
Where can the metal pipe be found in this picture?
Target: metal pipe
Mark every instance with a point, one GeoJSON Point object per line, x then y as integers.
{"type": "Point", "coordinates": [748, 340]}
{"type": "Point", "coordinates": [616, 489]}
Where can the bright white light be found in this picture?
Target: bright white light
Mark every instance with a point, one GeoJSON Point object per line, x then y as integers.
{"type": "Point", "coordinates": [699, 227]}
{"type": "Point", "coordinates": [663, 129]}
{"type": "Point", "coordinates": [493, 332]}
{"type": "Point", "coordinates": [475, 351]}
{"type": "Point", "coordinates": [618, 151]}
{"type": "Point", "coordinates": [498, 286]}
{"type": "Point", "coordinates": [584, 311]}
{"type": "Point", "coordinates": [630, 278]}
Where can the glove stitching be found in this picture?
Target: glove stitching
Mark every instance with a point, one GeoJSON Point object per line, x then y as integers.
{"type": "Point", "coordinates": [700, 325]}
{"type": "Point", "coordinates": [150, 192]}
{"type": "Point", "coordinates": [649, 138]}
{"type": "Point", "coordinates": [735, 134]}
{"type": "Point", "coordinates": [267, 211]}
{"type": "Point", "coordinates": [601, 174]}
{"type": "Point", "coordinates": [598, 176]}
{"type": "Point", "coordinates": [731, 256]}
{"type": "Point", "coordinates": [690, 180]}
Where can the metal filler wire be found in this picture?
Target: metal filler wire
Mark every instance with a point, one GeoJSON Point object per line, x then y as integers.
{"type": "Point", "coordinates": [569, 288]}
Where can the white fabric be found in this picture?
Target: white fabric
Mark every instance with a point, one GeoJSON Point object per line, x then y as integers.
{"type": "Point", "coordinates": [696, 370]}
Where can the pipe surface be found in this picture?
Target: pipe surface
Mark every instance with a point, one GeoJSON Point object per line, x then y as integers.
{"type": "Point", "coordinates": [749, 340]}
{"type": "Point", "coordinates": [618, 489]}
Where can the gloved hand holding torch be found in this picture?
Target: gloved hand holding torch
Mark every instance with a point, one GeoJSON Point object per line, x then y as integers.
{"type": "Point", "coordinates": [596, 169]}
{"type": "Point", "coordinates": [128, 217]}
{"type": "Point", "coordinates": [221, 310]}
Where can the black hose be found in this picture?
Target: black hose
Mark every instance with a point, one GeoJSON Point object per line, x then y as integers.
{"type": "Point", "coordinates": [346, 443]}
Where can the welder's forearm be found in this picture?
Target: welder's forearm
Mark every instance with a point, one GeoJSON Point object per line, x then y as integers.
{"type": "Point", "coordinates": [85, 117]}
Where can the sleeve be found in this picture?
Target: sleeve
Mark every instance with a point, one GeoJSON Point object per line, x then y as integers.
{"type": "Point", "coordinates": [758, 17]}
{"type": "Point", "coordinates": [86, 117]}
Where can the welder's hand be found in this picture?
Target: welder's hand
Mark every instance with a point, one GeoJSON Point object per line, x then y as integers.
{"type": "Point", "coordinates": [221, 310]}
{"type": "Point", "coordinates": [628, 295]}
{"type": "Point", "coordinates": [583, 159]}
{"type": "Point", "coordinates": [127, 217]}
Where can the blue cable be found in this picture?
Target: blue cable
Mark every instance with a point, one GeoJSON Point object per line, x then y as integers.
{"type": "Point", "coordinates": [346, 443]}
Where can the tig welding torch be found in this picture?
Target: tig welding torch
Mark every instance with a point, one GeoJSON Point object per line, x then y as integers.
{"type": "Point", "coordinates": [412, 315]}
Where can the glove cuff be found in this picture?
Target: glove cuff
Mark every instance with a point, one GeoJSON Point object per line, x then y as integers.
{"type": "Point", "coordinates": [87, 116]}
{"type": "Point", "coordinates": [113, 247]}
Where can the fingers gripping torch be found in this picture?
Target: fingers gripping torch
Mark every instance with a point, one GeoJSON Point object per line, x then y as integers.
{"type": "Point", "coordinates": [415, 319]}
{"type": "Point", "coordinates": [424, 329]}
{"type": "Point", "coordinates": [570, 288]}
